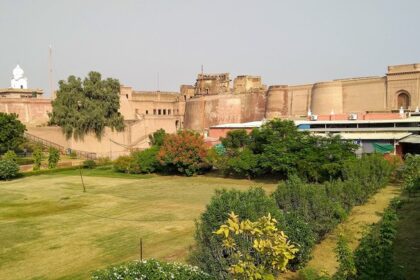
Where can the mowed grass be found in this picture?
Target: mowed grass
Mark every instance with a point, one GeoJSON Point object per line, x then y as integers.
{"type": "Point", "coordinates": [50, 229]}
{"type": "Point", "coordinates": [407, 243]}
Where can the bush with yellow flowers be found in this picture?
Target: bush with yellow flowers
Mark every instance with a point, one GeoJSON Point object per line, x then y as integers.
{"type": "Point", "coordinates": [255, 250]}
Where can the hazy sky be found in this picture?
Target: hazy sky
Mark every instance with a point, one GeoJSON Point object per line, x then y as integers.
{"type": "Point", "coordinates": [286, 42]}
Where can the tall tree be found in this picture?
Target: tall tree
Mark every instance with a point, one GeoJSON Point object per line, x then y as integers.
{"type": "Point", "coordinates": [11, 132]}
{"type": "Point", "coordinates": [87, 106]}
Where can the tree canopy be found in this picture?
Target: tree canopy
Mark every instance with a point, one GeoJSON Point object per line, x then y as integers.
{"type": "Point", "coordinates": [87, 106]}
{"type": "Point", "coordinates": [11, 132]}
{"type": "Point", "coordinates": [280, 149]}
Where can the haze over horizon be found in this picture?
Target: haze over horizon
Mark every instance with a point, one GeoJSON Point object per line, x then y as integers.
{"type": "Point", "coordinates": [285, 42]}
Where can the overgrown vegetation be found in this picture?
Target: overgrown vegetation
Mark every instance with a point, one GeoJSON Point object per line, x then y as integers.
{"type": "Point", "coordinates": [87, 106]}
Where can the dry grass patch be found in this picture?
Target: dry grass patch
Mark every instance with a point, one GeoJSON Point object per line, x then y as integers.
{"type": "Point", "coordinates": [50, 229]}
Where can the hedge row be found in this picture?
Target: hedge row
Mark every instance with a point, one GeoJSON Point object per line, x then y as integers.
{"type": "Point", "coordinates": [306, 212]}
{"type": "Point", "coordinates": [374, 257]}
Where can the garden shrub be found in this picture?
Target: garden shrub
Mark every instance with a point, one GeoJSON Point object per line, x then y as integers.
{"type": "Point", "coordinates": [371, 172]}
{"type": "Point", "coordinates": [125, 164]}
{"type": "Point", "coordinates": [10, 155]}
{"type": "Point", "coordinates": [311, 203]}
{"type": "Point", "coordinates": [346, 269]}
{"type": "Point", "coordinates": [208, 253]}
{"type": "Point", "coordinates": [8, 169]}
{"type": "Point", "coordinates": [302, 235]}
{"type": "Point", "coordinates": [255, 250]}
{"type": "Point", "coordinates": [183, 153]}
{"type": "Point", "coordinates": [37, 156]}
{"type": "Point", "coordinates": [410, 174]}
{"type": "Point", "coordinates": [89, 164]}
{"type": "Point", "coordinates": [147, 160]}
{"type": "Point", "coordinates": [53, 157]}
{"type": "Point", "coordinates": [103, 161]}
{"type": "Point", "coordinates": [374, 257]}
{"type": "Point", "coordinates": [153, 270]}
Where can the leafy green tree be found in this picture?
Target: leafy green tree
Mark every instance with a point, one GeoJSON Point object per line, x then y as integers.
{"type": "Point", "coordinates": [243, 164]}
{"type": "Point", "coordinates": [53, 157]}
{"type": "Point", "coordinates": [236, 139]}
{"type": "Point", "coordinates": [11, 132]}
{"type": "Point", "coordinates": [157, 137]}
{"type": "Point", "coordinates": [87, 106]}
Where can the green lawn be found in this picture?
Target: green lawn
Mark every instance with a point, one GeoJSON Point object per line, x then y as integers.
{"type": "Point", "coordinates": [50, 229]}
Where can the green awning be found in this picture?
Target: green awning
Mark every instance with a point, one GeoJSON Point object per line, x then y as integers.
{"type": "Point", "coordinates": [383, 148]}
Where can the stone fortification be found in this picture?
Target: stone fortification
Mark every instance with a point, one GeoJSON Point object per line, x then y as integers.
{"type": "Point", "coordinates": [215, 99]}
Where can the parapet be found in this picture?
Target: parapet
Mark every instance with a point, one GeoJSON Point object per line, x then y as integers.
{"type": "Point", "coordinates": [404, 68]}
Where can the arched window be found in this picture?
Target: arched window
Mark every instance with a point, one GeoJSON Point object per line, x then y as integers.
{"type": "Point", "coordinates": [403, 100]}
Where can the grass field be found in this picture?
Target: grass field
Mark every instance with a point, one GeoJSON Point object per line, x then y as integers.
{"type": "Point", "coordinates": [50, 229]}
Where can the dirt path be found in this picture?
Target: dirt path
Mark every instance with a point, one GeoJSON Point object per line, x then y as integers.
{"type": "Point", "coordinates": [360, 216]}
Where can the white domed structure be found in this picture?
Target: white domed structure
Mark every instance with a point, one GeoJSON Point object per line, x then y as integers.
{"type": "Point", "coordinates": [18, 81]}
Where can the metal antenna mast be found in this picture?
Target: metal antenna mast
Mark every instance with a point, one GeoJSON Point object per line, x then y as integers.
{"type": "Point", "coordinates": [50, 71]}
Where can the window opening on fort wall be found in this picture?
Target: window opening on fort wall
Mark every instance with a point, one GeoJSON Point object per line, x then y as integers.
{"type": "Point", "coordinates": [154, 111]}
{"type": "Point", "coordinates": [147, 112]}
{"type": "Point", "coordinates": [159, 111]}
{"type": "Point", "coordinates": [169, 111]}
{"type": "Point", "coordinates": [403, 100]}
{"type": "Point", "coordinates": [164, 111]}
